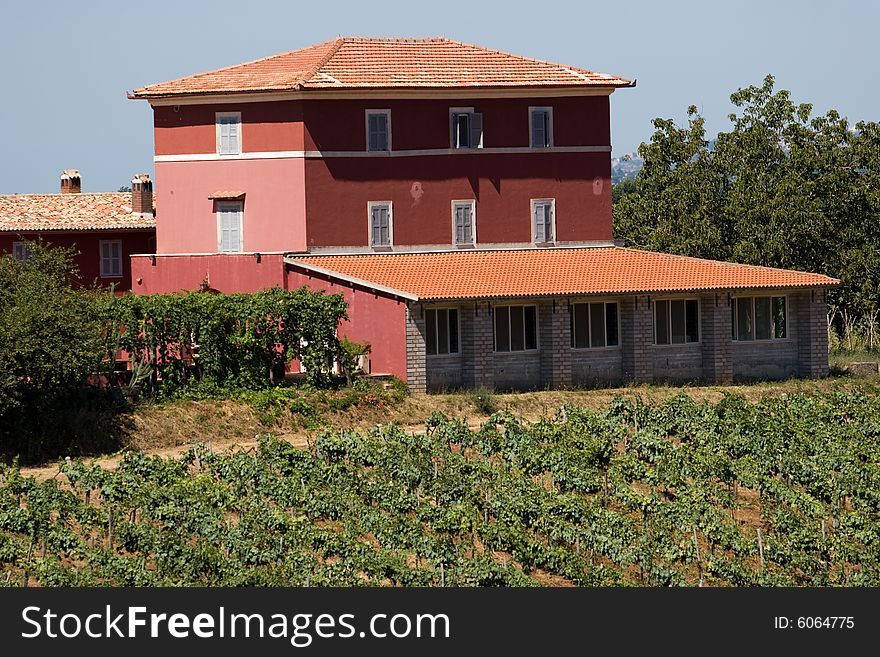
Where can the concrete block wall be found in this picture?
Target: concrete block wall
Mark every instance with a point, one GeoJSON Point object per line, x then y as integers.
{"type": "Point", "coordinates": [717, 360]}
{"type": "Point", "coordinates": [554, 336]}
{"type": "Point", "coordinates": [415, 348]}
{"type": "Point", "coordinates": [636, 339]}
{"type": "Point", "coordinates": [477, 339]}
{"type": "Point", "coordinates": [812, 338]}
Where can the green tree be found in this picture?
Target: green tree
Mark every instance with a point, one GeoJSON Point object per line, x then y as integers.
{"type": "Point", "coordinates": [781, 188]}
{"type": "Point", "coordinates": [50, 341]}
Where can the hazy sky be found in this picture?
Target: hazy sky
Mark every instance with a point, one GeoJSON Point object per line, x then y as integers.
{"type": "Point", "coordinates": [67, 65]}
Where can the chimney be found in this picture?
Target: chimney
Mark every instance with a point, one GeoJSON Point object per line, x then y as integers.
{"type": "Point", "coordinates": [142, 194]}
{"type": "Point", "coordinates": [70, 182]}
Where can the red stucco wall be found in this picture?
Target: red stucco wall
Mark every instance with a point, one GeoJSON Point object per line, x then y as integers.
{"type": "Point", "coordinates": [422, 188]}
{"type": "Point", "coordinates": [87, 243]}
{"type": "Point", "coordinates": [266, 126]}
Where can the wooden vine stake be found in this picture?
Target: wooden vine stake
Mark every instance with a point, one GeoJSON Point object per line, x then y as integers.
{"type": "Point", "coordinates": [699, 561]}
{"type": "Point", "coordinates": [442, 575]}
{"type": "Point", "coordinates": [761, 548]}
{"type": "Point", "coordinates": [110, 528]}
{"type": "Point", "coordinates": [822, 527]}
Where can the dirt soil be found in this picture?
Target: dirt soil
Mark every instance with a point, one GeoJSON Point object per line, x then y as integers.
{"type": "Point", "coordinates": [169, 429]}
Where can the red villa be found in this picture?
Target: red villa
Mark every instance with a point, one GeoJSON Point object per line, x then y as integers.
{"type": "Point", "coordinates": [460, 198]}
{"type": "Point", "coordinates": [104, 227]}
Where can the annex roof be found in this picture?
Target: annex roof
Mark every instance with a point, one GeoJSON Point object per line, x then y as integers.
{"type": "Point", "coordinates": [369, 63]}
{"type": "Point", "coordinates": [87, 211]}
{"type": "Point", "coordinates": [482, 274]}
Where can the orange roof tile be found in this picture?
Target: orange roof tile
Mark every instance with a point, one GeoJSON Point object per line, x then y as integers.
{"type": "Point", "coordinates": [96, 211]}
{"type": "Point", "coordinates": [362, 63]}
{"type": "Point", "coordinates": [551, 272]}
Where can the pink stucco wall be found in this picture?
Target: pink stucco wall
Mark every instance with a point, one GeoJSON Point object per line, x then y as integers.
{"type": "Point", "coordinates": [274, 204]}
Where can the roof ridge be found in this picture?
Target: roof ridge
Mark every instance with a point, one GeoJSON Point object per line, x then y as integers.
{"type": "Point", "coordinates": [77, 194]}
{"type": "Point", "coordinates": [321, 62]}
{"type": "Point", "coordinates": [573, 69]}
{"type": "Point", "coordinates": [742, 265]}
{"type": "Point", "coordinates": [240, 64]}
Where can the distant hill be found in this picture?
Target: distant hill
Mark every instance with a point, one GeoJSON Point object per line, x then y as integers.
{"type": "Point", "coordinates": [626, 166]}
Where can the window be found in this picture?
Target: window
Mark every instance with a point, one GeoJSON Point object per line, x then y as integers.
{"type": "Point", "coordinates": [463, 233]}
{"type": "Point", "coordinates": [21, 250]}
{"type": "Point", "coordinates": [541, 127]}
{"type": "Point", "coordinates": [758, 318]}
{"type": "Point", "coordinates": [378, 130]}
{"type": "Point", "coordinates": [516, 328]}
{"type": "Point", "coordinates": [543, 220]}
{"type": "Point", "coordinates": [381, 233]}
{"type": "Point", "coordinates": [229, 227]}
{"type": "Point", "coordinates": [594, 325]}
{"type": "Point", "coordinates": [111, 258]}
{"type": "Point", "coordinates": [228, 133]}
{"type": "Point", "coordinates": [441, 331]}
{"type": "Point", "coordinates": [676, 321]}
{"type": "Point", "coordinates": [466, 128]}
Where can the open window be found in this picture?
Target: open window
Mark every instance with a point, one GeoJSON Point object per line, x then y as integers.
{"type": "Point", "coordinates": [466, 128]}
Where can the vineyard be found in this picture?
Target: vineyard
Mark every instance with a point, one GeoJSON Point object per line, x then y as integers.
{"type": "Point", "coordinates": [783, 492]}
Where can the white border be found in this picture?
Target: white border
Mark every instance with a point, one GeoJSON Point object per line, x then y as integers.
{"type": "Point", "coordinates": [473, 205]}
{"type": "Point", "coordinates": [370, 206]}
{"type": "Point", "coordinates": [532, 203]}
{"type": "Point", "coordinates": [549, 110]}
{"type": "Point", "coordinates": [217, 211]}
{"type": "Point", "coordinates": [367, 113]}
{"type": "Point", "coordinates": [103, 273]}
{"type": "Point", "coordinates": [224, 115]}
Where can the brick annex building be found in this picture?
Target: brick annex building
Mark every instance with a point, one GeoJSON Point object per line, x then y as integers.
{"type": "Point", "coordinates": [460, 199]}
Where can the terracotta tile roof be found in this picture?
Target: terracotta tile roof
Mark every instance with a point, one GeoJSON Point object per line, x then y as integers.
{"type": "Point", "coordinates": [360, 63]}
{"type": "Point", "coordinates": [97, 211]}
{"type": "Point", "coordinates": [552, 272]}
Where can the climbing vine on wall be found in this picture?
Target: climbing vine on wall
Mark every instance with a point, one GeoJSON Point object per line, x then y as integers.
{"type": "Point", "coordinates": [240, 339]}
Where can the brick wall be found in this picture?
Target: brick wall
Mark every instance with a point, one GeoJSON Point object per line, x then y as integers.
{"type": "Point", "coordinates": [554, 335]}
{"type": "Point", "coordinates": [717, 360]}
{"type": "Point", "coordinates": [636, 338]}
{"type": "Point", "coordinates": [415, 348]}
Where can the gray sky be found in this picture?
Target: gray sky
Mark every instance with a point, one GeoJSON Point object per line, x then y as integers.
{"type": "Point", "coordinates": [67, 65]}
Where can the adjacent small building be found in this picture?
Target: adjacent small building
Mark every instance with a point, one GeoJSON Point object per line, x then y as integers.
{"type": "Point", "coordinates": [460, 199]}
{"type": "Point", "coordinates": [105, 228]}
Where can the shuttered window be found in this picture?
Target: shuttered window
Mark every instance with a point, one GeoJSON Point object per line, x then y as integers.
{"type": "Point", "coordinates": [540, 121]}
{"type": "Point", "coordinates": [229, 133]}
{"type": "Point", "coordinates": [21, 251]}
{"type": "Point", "coordinates": [379, 130]}
{"type": "Point", "coordinates": [380, 224]}
{"type": "Point", "coordinates": [463, 222]}
{"type": "Point", "coordinates": [542, 220]}
{"type": "Point", "coordinates": [111, 258]}
{"type": "Point", "coordinates": [466, 129]}
{"type": "Point", "coordinates": [229, 227]}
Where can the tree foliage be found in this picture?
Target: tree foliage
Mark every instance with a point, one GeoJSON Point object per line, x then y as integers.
{"type": "Point", "coordinates": [50, 341]}
{"type": "Point", "coordinates": [781, 188]}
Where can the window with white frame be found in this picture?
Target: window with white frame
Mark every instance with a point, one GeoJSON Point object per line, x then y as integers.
{"type": "Point", "coordinates": [228, 133]}
{"type": "Point", "coordinates": [466, 128]}
{"type": "Point", "coordinates": [229, 226]}
{"type": "Point", "coordinates": [758, 318]}
{"type": "Point", "coordinates": [594, 325]}
{"type": "Point", "coordinates": [381, 230]}
{"type": "Point", "coordinates": [463, 223]}
{"type": "Point", "coordinates": [111, 258]}
{"type": "Point", "coordinates": [379, 130]}
{"type": "Point", "coordinates": [441, 331]}
{"type": "Point", "coordinates": [676, 321]}
{"type": "Point", "coordinates": [21, 250]}
{"type": "Point", "coordinates": [541, 127]}
{"type": "Point", "coordinates": [543, 220]}
{"type": "Point", "coordinates": [516, 328]}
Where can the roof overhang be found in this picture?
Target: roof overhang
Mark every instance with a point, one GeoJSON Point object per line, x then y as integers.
{"type": "Point", "coordinates": [350, 281]}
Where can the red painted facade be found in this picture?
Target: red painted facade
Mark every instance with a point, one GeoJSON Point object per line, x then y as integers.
{"type": "Point", "coordinates": [307, 179]}
{"type": "Point", "coordinates": [87, 243]}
